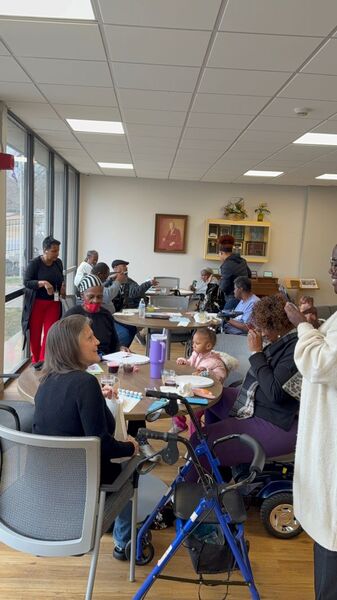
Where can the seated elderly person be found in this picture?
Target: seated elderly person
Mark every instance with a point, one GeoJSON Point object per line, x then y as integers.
{"type": "Point", "coordinates": [70, 402]}
{"type": "Point", "coordinates": [206, 277]}
{"type": "Point", "coordinates": [242, 292]}
{"type": "Point", "coordinates": [261, 407]}
{"type": "Point", "coordinates": [86, 266]}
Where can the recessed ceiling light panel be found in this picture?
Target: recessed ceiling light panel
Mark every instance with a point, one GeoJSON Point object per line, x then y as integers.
{"type": "Point", "coordinates": [87, 126]}
{"type": "Point", "coordinates": [106, 165]}
{"type": "Point", "coordinates": [263, 173]}
{"type": "Point", "coordinates": [327, 176]}
{"type": "Point", "coordinates": [317, 139]}
{"type": "Point", "coordinates": [62, 9]}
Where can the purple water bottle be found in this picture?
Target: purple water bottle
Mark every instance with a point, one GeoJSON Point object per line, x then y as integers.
{"type": "Point", "coordinates": [157, 355]}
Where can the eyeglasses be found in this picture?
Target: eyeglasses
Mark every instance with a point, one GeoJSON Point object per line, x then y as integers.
{"type": "Point", "coordinates": [333, 263]}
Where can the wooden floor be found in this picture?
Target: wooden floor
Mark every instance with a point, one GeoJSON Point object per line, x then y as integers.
{"type": "Point", "coordinates": [282, 569]}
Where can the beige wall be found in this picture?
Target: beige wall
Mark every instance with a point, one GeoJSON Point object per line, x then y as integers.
{"type": "Point", "coordinates": [117, 218]}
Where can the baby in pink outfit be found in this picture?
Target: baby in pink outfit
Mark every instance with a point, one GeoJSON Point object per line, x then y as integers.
{"type": "Point", "coordinates": [204, 359]}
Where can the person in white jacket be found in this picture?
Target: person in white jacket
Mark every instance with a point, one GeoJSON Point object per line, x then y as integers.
{"type": "Point", "coordinates": [86, 266]}
{"type": "Point", "coordinates": [315, 478]}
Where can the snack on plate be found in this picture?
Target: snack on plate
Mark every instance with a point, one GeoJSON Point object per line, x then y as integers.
{"type": "Point", "coordinates": [203, 393]}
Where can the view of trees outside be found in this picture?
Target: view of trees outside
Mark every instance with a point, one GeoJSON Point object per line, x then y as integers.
{"type": "Point", "coordinates": [41, 182]}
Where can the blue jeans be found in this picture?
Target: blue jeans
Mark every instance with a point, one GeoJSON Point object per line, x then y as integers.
{"type": "Point", "coordinates": [125, 333]}
{"type": "Point", "coordinates": [122, 527]}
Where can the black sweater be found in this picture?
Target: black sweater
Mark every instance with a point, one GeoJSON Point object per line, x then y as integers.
{"type": "Point", "coordinates": [103, 327]}
{"type": "Point", "coordinates": [233, 267]}
{"type": "Point", "coordinates": [37, 271]}
{"type": "Point", "coordinates": [72, 404]}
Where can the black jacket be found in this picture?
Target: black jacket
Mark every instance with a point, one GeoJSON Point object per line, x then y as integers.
{"type": "Point", "coordinates": [103, 326]}
{"type": "Point", "coordinates": [234, 266]}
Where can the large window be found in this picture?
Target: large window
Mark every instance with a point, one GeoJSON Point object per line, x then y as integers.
{"type": "Point", "coordinates": [33, 204]}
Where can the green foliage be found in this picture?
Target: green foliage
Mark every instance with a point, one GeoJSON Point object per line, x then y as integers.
{"type": "Point", "coordinates": [237, 208]}
{"type": "Point", "coordinates": [262, 209]}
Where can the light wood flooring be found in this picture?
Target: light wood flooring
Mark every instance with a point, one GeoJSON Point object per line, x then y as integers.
{"type": "Point", "coordinates": [282, 569]}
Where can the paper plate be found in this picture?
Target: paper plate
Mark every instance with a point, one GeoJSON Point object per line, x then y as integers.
{"type": "Point", "coordinates": [196, 381]}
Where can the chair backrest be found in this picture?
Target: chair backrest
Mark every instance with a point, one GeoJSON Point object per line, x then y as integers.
{"type": "Point", "coordinates": [235, 345]}
{"type": "Point", "coordinates": [168, 283]}
{"type": "Point", "coordinates": [176, 302]}
{"type": "Point", "coordinates": [49, 490]}
{"type": "Point", "coordinates": [69, 302]}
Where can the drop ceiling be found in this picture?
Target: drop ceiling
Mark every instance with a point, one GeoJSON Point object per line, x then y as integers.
{"type": "Point", "coordinates": [206, 89]}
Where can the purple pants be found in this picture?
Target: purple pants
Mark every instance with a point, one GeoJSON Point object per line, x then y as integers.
{"type": "Point", "coordinates": [274, 440]}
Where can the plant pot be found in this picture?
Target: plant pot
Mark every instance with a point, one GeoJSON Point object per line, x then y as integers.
{"type": "Point", "coordinates": [260, 216]}
{"type": "Point", "coordinates": [234, 217]}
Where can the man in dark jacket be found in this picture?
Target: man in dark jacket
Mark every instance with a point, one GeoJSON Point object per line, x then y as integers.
{"type": "Point", "coordinates": [233, 266]}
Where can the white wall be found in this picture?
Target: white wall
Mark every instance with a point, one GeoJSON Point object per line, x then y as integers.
{"type": "Point", "coordinates": [117, 217]}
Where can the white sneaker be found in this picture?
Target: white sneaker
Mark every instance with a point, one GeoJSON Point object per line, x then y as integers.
{"type": "Point", "coordinates": [177, 429]}
{"type": "Point", "coordinates": [148, 451]}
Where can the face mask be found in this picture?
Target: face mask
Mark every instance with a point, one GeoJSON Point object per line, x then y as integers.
{"type": "Point", "coordinates": [91, 307]}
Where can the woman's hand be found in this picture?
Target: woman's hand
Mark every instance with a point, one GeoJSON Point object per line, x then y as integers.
{"type": "Point", "coordinates": [181, 361]}
{"type": "Point", "coordinates": [294, 315]}
{"type": "Point", "coordinates": [63, 290]}
{"type": "Point", "coordinates": [254, 341]}
{"type": "Point", "coordinates": [49, 288]}
{"type": "Point", "coordinates": [109, 392]}
{"type": "Point", "coordinates": [135, 443]}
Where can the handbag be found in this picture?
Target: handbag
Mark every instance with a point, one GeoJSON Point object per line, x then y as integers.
{"type": "Point", "coordinates": [120, 434]}
{"type": "Point", "coordinates": [293, 386]}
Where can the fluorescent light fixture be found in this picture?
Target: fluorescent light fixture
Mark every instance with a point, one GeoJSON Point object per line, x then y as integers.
{"type": "Point", "coordinates": [104, 165]}
{"type": "Point", "coordinates": [317, 139]}
{"type": "Point", "coordinates": [62, 9]}
{"type": "Point", "coordinates": [96, 126]}
{"type": "Point", "coordinates": [263, 173]}
{"type": "Point", "coordinates": [327, 176]}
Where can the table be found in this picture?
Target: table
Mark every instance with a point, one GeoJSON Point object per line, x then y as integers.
{"type": "Point", "coordinates": [29, 380]}
{"type": "Point", "coordinates": [165, 324]}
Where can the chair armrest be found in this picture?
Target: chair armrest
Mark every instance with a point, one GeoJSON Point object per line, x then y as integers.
{"type": "Point", "coordinates": [14, 414]}
{"type": "Point", "coordinates": [127, 472]}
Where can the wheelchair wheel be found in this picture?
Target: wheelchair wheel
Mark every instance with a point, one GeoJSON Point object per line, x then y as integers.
{"type": "Point", "coordinates": [147, 550]}
{"type": "Point", "coordinates": [277, 515]}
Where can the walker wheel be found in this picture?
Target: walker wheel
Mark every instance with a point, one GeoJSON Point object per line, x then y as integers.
{"type": "Point", "coordinates": [277, 516]}
{"type": "Point", "coordinates": [147, 553]}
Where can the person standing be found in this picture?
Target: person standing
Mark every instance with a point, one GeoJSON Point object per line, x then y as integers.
{"type": "Point", "coordinates": [315, 477]}
{"type": "Point", "coordinates": [86, 266]}
{"type": "Point", "coordinates": [44, 285]}
{"type": "Point", "coordinates": [232, 266]}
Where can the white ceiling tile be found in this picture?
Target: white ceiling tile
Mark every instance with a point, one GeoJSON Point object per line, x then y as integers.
{"type": "Point", "coordinates": [79, 94]}
{"type": "Point", "coordinates": [184, 14]}
{"type": "Point", "coordinates": [140, 142]}
{"type": "Point", "coordinates": [32, 109]}
{"type": "Point", "coordinates": [118, 172]}
{"type": "Point", "coordinates": [154, 100]}
{"type": "Point", "coordinates": [284, 107]}
{"type": "Point", "coordinates": [157, 46]}
{"type": "Point", "coordinates": [283, 137]}
{"type": "Point", "coordinates": [67, 72]}
{"type": "Point", "coordinates": [153, 130]}
{"type": "Point", "coordinates": [303, 17]}
{"type": "Point", "coordinates": [155, 77]}
{"type": "Point", "coordinates": [218, 120]}
{"type": "Point", "coordinates": [231, 81]}
{"type": "Point", "coordinates": [200, 133]}
{"type": "Point", "coordinates": [197, 154]}
{"type": "Point", "coordinates": [64, 145]}
{"type": "Point", "coordinates": [41, 124]}
{"type": "Point", "coordinates": [57, 137]}
{"type": "Point", "coordinates": [53, 40]}
{"type": "Point", "coordinates": [315, 87]}
{"type": "Point", "coordinates": [206, 144]}
{"type": "Point", "coordinates": [89, 139]}
{"type": "Point", "coordinates": [325, 61]}
{"type": "Point", "coordinates": [3, 50]}
{"type": "Point", "coordinates": [150, 173]}
{"type": "Point", "coordinates": [100, 113]}
{"type": "Point", "coordinates": [284, 124]}
{"type": "Point", "coordinates": [23, 92]}
{"type": "Point", "coordinates": [10, 71]}
{"type": "Point", "coordinates": [326, 127]}
{"type": "Point", "coordinates": [149, 153]}
{"type": "Point", "coordinates": [260, 52]}
{"type": "Point", "coordinates": [107, 154]}
{"type": "Point", "coordinates": [154, 117]}
{"type": "Point", "coordinates": [228, 104]}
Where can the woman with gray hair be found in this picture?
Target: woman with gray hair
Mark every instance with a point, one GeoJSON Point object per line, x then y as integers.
{"type": "Point", "coordinates": [70, 402]}
{"type": "Point", "coordinates": [206, 277]}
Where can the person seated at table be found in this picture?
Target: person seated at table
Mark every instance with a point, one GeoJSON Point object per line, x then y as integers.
{"type": "Point", "coordinates": [206, 277]}
{"type": "Point", "coordinates": [247, 300]}
{"type": "Point", "coordinates": [70, 402]}
{"type": "Point", "coordinates": [307, 308]}
{"type": "Point", "coordinates": [261, 407]}
{"type": "Point", "coordinates": [205, 361]}
{"type": "Point", "coordinates": [111, 285]}
{"type": "Point", "coordinates": [103, 326]}
{"type": "Point", "coordinates": [85, 267]}
{"type": "Point", "coordinates": [129, 296]}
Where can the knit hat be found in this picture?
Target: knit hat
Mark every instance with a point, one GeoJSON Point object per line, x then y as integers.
{"type": "Point", "coordinates": [87, 282]}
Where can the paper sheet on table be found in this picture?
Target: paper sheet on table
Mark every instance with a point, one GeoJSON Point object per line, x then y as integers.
{"type": "Point", "coordinates": [129, 404]}
{"type": "Point", "coordinates": [94, 369]}
{"type": "Point", "coordinates": [124, 357]}
{"type": "Point", "coordinates": [183, 322]}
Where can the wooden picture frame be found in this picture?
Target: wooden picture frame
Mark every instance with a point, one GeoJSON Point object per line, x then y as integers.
{"type": "Point", "coordinates": [170, 234]}
{"type": "Point", "coordinates": [255, 249]}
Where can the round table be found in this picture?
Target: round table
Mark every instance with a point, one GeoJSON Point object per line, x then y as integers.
{"type": "Point", "coordinates": [165, 324]}
{"type": "Point", "coordinates": [29, 380]}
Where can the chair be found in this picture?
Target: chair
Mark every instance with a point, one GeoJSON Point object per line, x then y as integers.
{"type": "Point", "coordinates": [168, 282]}
{"type": "Point", "coordinates": [235, 345]}
{"type": "Point", "coordinates": [175, 302]}
{"type": "Point", "coordinates": [68, 302]}
{"type": "Point", "coordinates": [51, 501]}
{"type": "Point", "coordinates": [17, 414]}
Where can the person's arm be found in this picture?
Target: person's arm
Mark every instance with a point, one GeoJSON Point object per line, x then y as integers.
{"type": "Point", "coordinates": [30, 280]}
{"type": "Point", "coordinates": [137, 291]}
{"type": "Point", "coordinates": [316, 353]}
{"type": "Point", "coordinates": [91, 406]}
{"type": "Point", "coordinates": [111, 291]}
{"type": "Point", "coordinates": [81, 271]}
{"type": "Point", "coordinates": [225, 283]}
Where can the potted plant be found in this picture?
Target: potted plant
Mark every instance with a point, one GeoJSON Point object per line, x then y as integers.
{"type": "Point", "coordinates": [262, 210]}
{"type": "Point", "coordinates": [235, 209]}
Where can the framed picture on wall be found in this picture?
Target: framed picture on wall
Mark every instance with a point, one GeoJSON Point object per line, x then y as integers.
{"type": "Point", "coordinates": [170, 234]}
{"type": "Point", "coordinates": [255, 248]}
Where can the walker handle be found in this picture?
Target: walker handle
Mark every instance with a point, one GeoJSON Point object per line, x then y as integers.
{"type": "Point", "coordinates": [259, 458]}
{"type": "Point", "coordinates": [155, 435]}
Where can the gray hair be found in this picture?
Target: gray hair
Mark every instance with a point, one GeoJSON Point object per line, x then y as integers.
{"type": "Point", "coordinates": [207, 271]}
{"type": "Point", "coordinates": [62, 347]}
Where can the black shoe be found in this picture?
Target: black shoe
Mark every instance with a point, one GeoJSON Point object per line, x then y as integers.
{"type": "Point", "coordinates": [119, 553]}
{"type": "Point", "coordinates": [38, 366]}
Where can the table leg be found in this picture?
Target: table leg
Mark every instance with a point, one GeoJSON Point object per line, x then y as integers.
{"type": "Point", "coordinates": [167, 332]}
{"type": "Point", "coordinates": [148, 338]}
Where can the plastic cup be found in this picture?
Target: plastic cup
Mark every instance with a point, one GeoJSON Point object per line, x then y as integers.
{"type": "Point", "coordinates": [168, 377]}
